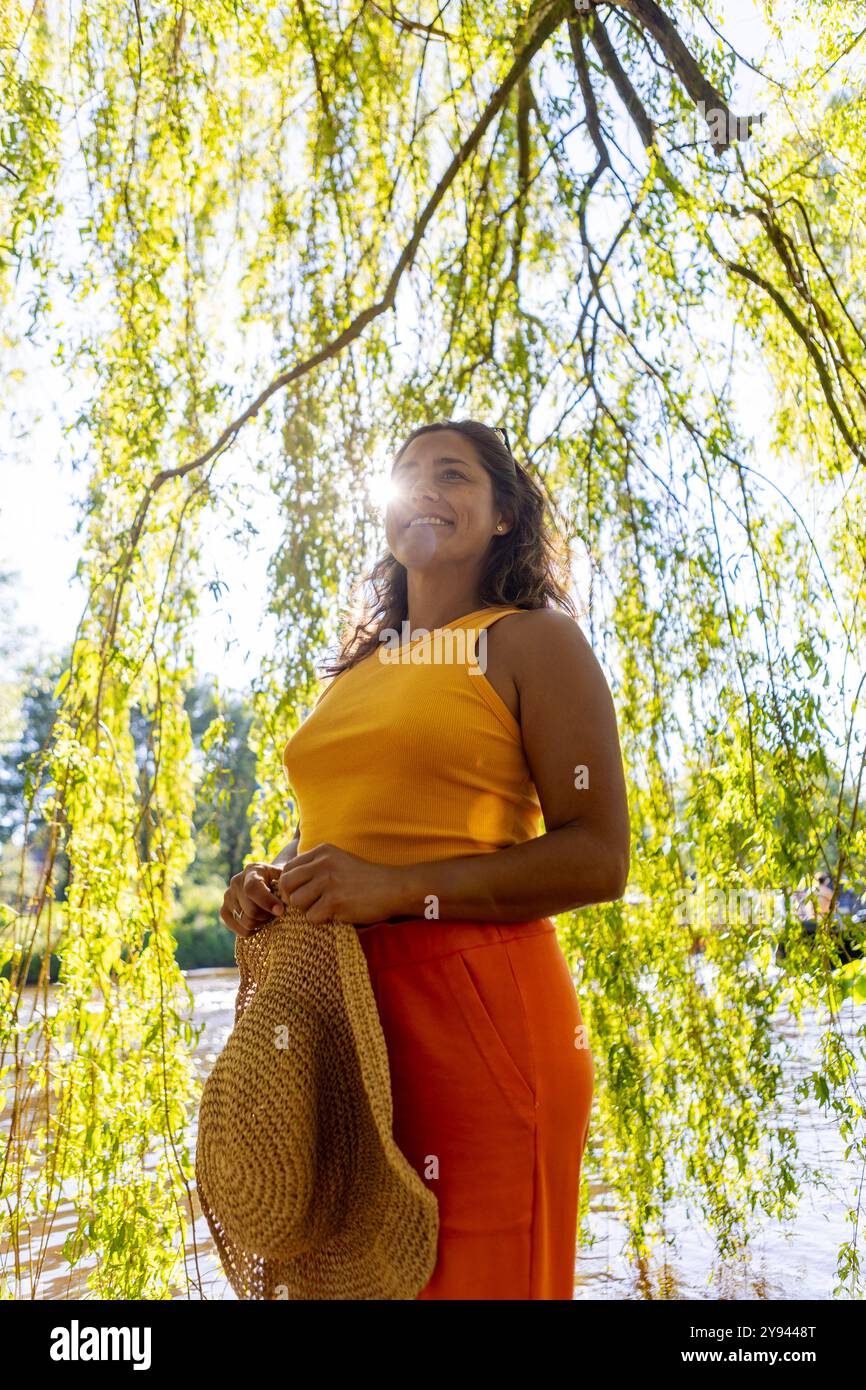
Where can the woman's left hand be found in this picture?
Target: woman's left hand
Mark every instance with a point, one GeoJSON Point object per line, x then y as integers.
{"type": "Point", "coordinates": [327, 882]}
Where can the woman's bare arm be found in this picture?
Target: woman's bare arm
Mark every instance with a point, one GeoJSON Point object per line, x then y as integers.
{"type": "Point", "coordinates": [572, 747]}
{"type": "Point", "coordinates": [291, 849]}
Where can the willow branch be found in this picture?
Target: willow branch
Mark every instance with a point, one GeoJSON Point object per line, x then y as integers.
{"type": "Point", "coordinates": [621, 81]}
{"type": "Point", "coordinates": [808, 341]}
{"type": "Point", "coordinates": [546, 20]}
{"type": "Point", "coordinates": [590, 106]}
{"type": "Point", "coordinates": [708, 98]}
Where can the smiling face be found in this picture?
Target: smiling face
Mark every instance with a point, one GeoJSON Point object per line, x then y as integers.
{"type": "Point", "coordinates": [442, 508]}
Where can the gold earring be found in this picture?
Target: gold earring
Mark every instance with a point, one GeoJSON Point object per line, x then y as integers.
{"type": "Point", "coordinates": [499, 525]}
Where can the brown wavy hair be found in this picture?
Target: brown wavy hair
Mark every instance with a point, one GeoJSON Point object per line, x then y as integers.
{"type": "Point", "coordinates": [524, 567]}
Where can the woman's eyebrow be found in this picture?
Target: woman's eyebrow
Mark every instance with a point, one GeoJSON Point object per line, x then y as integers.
{"type": "Point", "coordinates": [444, 459]}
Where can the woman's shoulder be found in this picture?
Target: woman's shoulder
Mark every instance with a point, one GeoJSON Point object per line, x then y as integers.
{"type": "Point", "coordinates": [541, 625]}
{"type": "Point", "coordinates": [537, 640]}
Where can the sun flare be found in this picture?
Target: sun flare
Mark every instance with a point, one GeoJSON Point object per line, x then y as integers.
{"type": "Point", "coordinates": [382, 490]}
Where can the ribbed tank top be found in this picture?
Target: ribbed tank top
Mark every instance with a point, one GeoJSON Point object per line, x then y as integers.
{"type": "Point", "coordinates": [415, 757]}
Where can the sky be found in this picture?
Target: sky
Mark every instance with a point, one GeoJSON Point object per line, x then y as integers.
{"type": "Point", "coordinates": [40, 487]}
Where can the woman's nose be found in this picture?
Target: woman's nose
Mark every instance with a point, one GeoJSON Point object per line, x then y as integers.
{"type": "Point", "coordinates": [421, 489]}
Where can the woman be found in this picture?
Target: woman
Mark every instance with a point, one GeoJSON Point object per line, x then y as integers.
{"type": "Point", "coordinates": [421, 776]}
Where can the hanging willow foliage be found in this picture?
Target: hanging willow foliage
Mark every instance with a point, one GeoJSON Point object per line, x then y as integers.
{"type": "Point", "coordinates": [301, 231]}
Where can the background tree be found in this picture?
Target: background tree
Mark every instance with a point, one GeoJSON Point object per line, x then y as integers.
{"type": "Point", "coordinates": [221, 819]}
{"type": "Point", "coordinates": [223, 796]}
{"type": "Point", "coordinates": [297, 230]}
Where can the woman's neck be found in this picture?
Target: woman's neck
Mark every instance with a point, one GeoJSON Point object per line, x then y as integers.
{"type": "Point", "coordinates": [433, 602]}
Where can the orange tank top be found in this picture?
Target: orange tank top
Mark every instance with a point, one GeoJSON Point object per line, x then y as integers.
{"type": "Point", "coordinates": [412, 756]}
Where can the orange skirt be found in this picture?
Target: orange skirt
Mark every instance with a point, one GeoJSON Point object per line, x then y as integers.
{"type": "Point", "coordinates": [492, 1083]}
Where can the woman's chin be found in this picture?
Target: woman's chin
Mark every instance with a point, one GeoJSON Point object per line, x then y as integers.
{"type": "Point", "coordinates": [423, 549]}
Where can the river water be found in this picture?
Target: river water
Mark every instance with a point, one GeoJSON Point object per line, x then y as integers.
{"type": "Point", "coordinates": [794, 1260]}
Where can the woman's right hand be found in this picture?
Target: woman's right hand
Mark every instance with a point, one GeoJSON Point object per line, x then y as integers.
{"type": "Point", "coordinates": [250, 892]}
